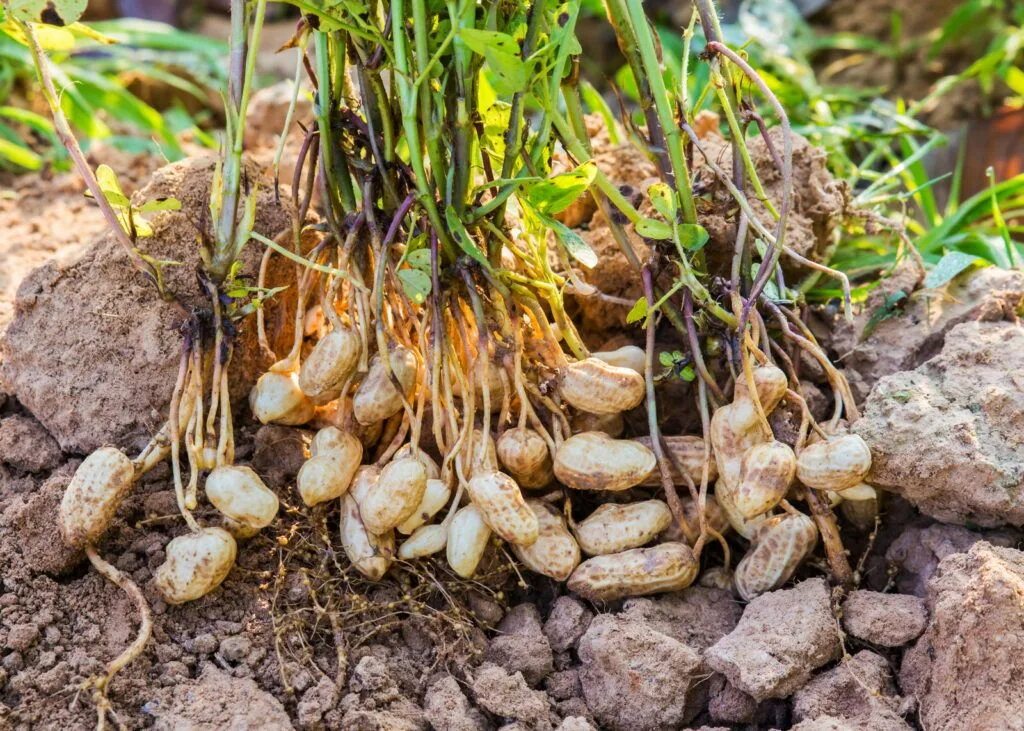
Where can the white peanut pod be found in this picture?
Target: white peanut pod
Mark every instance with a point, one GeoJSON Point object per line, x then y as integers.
{"type": "Point", "coordinates": [688, 452]}
{"type": "Point", "coordinates": [725, 497]}
{"type": "Point", "coordinates": [482, 454]}
{"type": "Point", "coordinates": [555, 553]}
{"type": "Point", "coordinates": [524, 453]}
{"type": "Point", "coordinates": [364, 482]}
{"type": "Point", "coordinates": [376, 397]}
{"type": "Point", "coordinates": [501, 502]}
{"type": "Point", "coordinates": [395, 496]}
{"type": "Point", "coordinates": [594, 386]}
{"type": "Point", "coordinates": [330, 364]}
{"type": "Point", "coordinates": [468, 534]}
{"type": "Point", "coordinates": [425, 541]}
{"type": "Point", "coordinates": [766, 474]}
{"type": "Point", "coordinates": [611, 424]}
{"type": "Point", "coordinates": [861, 507]}
{"type": "Point", "coordinates": [277, 399]}
{"type": "Point", "coordinates": [836, 464]}
{"type": "Point", "coordinates": [859, 492]}
{"type": "Point", "coordinates": [637, 572]}
{"type": "Point", "coordinates": [93, 496]}
{"type": "Point", "coordinates": [435, 497]}
{"type": "Point", "coordinates": [239, 494]}
{"type": "Point", "coordinates": [337, 414]}
{"type": "Point", "coordinates": [595, 461]}
{"type": "Point", "coordinates": [628, 356]}
{"type": "Point", "coordinates": [195, 564]}
{"type": "Point", "coordinates": [328, 474]}
{"type": "Point", "coordinates": [371, 554]}
{"type": "Point", "coordinates": [770, 382]}
{"type": "Point", "coordinates": [615, 528]}
{"type": "Point", "coordinates": [782, 543]}
{"type": "Point", "coordinates": [735, 428]}
{"type": "Point", "coordinates": [407, 450]}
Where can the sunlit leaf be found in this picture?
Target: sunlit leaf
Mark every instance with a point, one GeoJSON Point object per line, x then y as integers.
{"type": "Point", "coordinates": [555, 194]}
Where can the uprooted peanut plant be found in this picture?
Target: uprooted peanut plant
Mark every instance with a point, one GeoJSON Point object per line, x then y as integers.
{"type": "Point", "coordinates": [456, 401]}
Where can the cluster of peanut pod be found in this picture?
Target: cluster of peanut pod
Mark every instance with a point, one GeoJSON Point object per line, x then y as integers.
{"type": "Point", "coordinates": [514, 487]}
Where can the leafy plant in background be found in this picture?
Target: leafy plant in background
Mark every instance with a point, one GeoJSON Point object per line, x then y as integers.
{"type": "Point", "coordinates": [95, 66]}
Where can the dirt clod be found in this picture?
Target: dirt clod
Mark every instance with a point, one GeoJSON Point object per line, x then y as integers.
{"type": "Point", "coordinates": [965, 669]}
{"type": "Point", "coordinates": [26, 446]}
{"type": "Point", "coordinates": [635, 678]}
{"type": "Point", "coordinates": [859, 687]}
{"type": "Point", "coordinates": [507, 695]}
{"type": "Point", "coordinates": [521, 645]}
{"type": "Point", "coordinates": [782, 637]}
{"type": "Point", "coordinates": [446, 708]}
{"type": "Point", "coordinates": [211, 702]}
{"type": "Point", "coordinates": [967, 406]}
{"type": "Point", "coordinates": [566, 623]}
{"type": "Point", "coordinates": [888, 620]}
{"type": "Point", "coordinates": [729, 704]}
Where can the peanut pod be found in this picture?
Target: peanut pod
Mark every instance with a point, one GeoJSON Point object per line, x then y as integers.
{"type": "Point", "coordinates": [501, 502]}
{"type": "Point", "coordinates": [425, 541]}
{"type": "Point", "coordinates": [555, 552]}
{"type": "Point", "coordinates": [195, 564]}
{"type": "Point", "coordinates": [835, 464]}
{"type": "Point", "coordinates": [637, 572]}
{"type": "Point", "coordinates": [628, 356]}
{"type": "Point", "coordinates": [376, 397]}
{"type": "Point", "coordinates": [468, 534]}
{"type": "Point", "coordinates": [239, 494]}
{"type": "Point", "coordinates": [394, 498]}
{"type": "Point", "coordinates": [595, 461]}
{"type": "Point", "coordinates": [434, 498]}
{"type": "Point", "coordinates": [593, 386]}
{"type": "Point", "coordinates": [766, 473]}
{"type": "Point", "coordinates": [524, 453]}
{"type": "Point", "coordinates": [277, 399]}
{"type": "Point", "coordinates": [781, 544]}
{"type": "Point", "coordinates": [93, 496]}
{"type": "Point", "coordinates": [371, 554]}
{"type": "Point", "coordinates": [615, 528]}
{"type": "Point", "coordinates": [330, 364]}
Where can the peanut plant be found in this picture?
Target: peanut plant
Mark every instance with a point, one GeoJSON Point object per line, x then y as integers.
{"type": "Point", "coordinates": [455, 400]}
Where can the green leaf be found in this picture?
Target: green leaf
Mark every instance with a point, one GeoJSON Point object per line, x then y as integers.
{"type": "Point", "coordinates": [687, 373]}
{"type": "Point", "coordinates": [502, 53]}
{"type": "Point", "coordinates": [416, 284]}
{"type": "Point", "coordinates": [651, 228]}
{"type": "Point", "coordinates": [663, 200]}
{"type": "Point", "coordinates": [665, 358]}
{"type": "Point", "coordinates": [20, 156]}
{"type": "Point", "coordinates": [555, 194]}
{"type": "Point", "coordinates": [574, 244]}
{"type": "Point", "coordinates": [692, 236]}
{"type": "Point", "coordinates": [51, 12]}
{"type": "Point", "coordinates": [638, 311]}
{"type": "Point", "coordinates": [889, 308]}
{"type": "Point", "coordinates": [160, 204]}
{"type": "Point", "coordinates": [948, 267]}
{"type": "Point", "coordinates": [463, 239]}
{"type": "Point", "coordinates": [419, 259]}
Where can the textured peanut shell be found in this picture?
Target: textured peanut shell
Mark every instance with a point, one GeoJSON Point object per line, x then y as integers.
{"type": "Point", "coordinates": [482, 455]}
{"type": "Point", "coordinates": [836, 464]}
{"type": "Point", "coordinates": [468, 534]}
{"type": "Point", "coordinates": [771, 384]}
{"type": "Point", "coordinates": [724, 495]}
{"type": "Point", "coordinates": [434, 498]}
{"type": "Point", "coordinates": [501, 502]}
{"type": "Point", "coordinates": [593, 386]}
{"type": "Point", "coordinates": [781, 545]}
{"type": "Point", "coordinates": [735, 428]}
{"type": "Point", "coordinates": [371, 554]}
{"type": "Point", "coordinates": [613, 528]}
{"type": "Point", "coordinates": [364, 482]}
{"type": "Point", "coordinates": [555, 553]}
{"type": "Point", "coordinates": [93, 496]}
{"type": "Point", "coordinates": [433, 471]}
{"type": "Point", "coordinates": [524, 453]}
{"type": "Point", "coordinates": [376, 397]}
{"type": "Point", "coordinates": [396, 495]}
{"type": "Point", "coordinates": [637, 572]}
{"type": "Point", "coordinates": [332, 440]}
{"type": "Point", "coordinates": [688, 451]}
{"type": "Point", "coordinates": [628, 356]}
{"type": "Point", "coordinates": [195, 564]}
{"type": "Point", "coordinates": [277, 399]}
{"type": "Point", "coordinates": [765, 477]}
{"type": "Point", "coordinates": [329, 365]}
{"type": "Point", "coordinates": [425, 541]}
{"type": "Point", "coordinates": [239, 493]}
{"type": "Point", "coordinates": [595, 461]}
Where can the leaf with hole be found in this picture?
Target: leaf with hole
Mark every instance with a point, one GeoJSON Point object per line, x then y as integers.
{"type": "Point", "coordinates": [50, 12]}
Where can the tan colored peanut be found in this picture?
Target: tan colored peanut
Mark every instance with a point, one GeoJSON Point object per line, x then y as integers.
{"type": "Point", "coordinates": [637, 572]}
{"type": "Point", "coordinates": [277, 399]}
{"type": "Point", "coordinates": [689, 531]}
{"type": "Point", "coordinates": [611, 424]}
{"type": "Point", "coordinates": [425, 541]}
{"type": "Point", "coordinates": [781, 544]}
{"type": "Point", "coordinates": [836, 464]}
{"type": "Point", "coordinates": [468, 535]}
{"type": "Point", "coordinates": [735, 428]}
{"type": "Point", "coordinates": [524, 453]}
{"type": "Point", "coordinates": [239, 493]}
{"type": "Point", "coordinates": [555, 552]}
{"type": "Point", "coordinates": [771, 384]}
{"type": "Point", "coordinates": [395, 497]}
{"type": "Point", "coordinates": [433, 471]}
{"type": "Point", "coordinates": [501, 502]}
{"type": "Point", "coordinates": [615, 528]}
{"type": "Point", "coordinates": [435, 497]}
{"type": "Point", "coordinates": [766, 474]}
{"type": "Point", "coordinates": [724, 495]}
{"type": "Point", "coordinates": [330, 364]}
{"type": "Point", "coordinates": [329, 473]}
{"type": "Point", "coordinates": [482, 457]}
{"type": "Point", "coordinates": [628, 356]}
{"type": "Point", "coordinates": [376, 398]}
{"type": "Point", "coordinates": [371, 554]}
{"type": "Point", "coordinates": [595, 461]}
{"type": "Point", "coordinates": [195, 564]}
{"type": "Point", "coordinates": [364, 482]}
{"type": "Point", "coordinates": [688, 452]}
{"type": "Point", "coordinates": [93, 496]}
{"type": "Point", "coordinates": [593, 386]}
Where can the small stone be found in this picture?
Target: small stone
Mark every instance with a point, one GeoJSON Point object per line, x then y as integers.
{"type": "Point", "coordinates": [887, 620]}
{"type": "Point", "coordinates": [205, 644]}
{"type": "Point", "coordinates": [568, 620]}
{"type": "Point", "coordinates": [576, 723]}
{"type": "Point", "coordinates": [234, 649]}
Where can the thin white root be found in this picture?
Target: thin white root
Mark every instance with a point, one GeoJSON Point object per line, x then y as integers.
{"type": "Point", "coordinates": [129, 587]}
